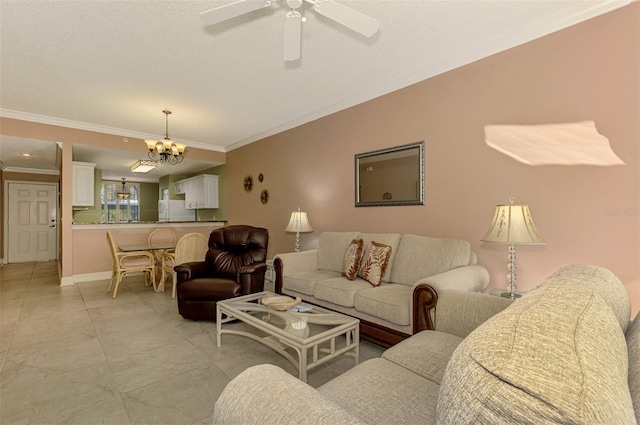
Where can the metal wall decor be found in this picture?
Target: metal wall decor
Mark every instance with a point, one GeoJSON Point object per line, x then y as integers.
{"type": "Point", "coordinates": [248, 183]}
{"type": "Point", "coordinates": [260, 177]}
{"type": "Point", "coordinates": [264, 196]}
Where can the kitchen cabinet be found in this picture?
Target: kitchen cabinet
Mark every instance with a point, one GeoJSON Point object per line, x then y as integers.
{"type": "Point", "coordinates": [200, 191]}
{"type": "Point", "coordinates": [181, 187]}
{"type": "Point", "coordinates": [83, 184]}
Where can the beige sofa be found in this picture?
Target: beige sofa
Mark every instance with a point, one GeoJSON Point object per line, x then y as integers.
{"type": "Point", "coordinates": [419, 267]}
{"type": "Point", "coordinates": [565, 353]}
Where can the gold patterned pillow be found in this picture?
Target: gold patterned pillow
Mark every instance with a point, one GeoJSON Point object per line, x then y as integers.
{"type": "Point", "coordinates": [352, 259]}
{"type": "Point", "coordinates": [374, 262]}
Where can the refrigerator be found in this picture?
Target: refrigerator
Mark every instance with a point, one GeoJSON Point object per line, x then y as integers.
{"type": "Point", "coordinates": [174, 210]}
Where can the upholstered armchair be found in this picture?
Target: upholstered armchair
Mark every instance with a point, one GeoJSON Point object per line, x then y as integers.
{"type": "Point", "coordinates": [234, 265]}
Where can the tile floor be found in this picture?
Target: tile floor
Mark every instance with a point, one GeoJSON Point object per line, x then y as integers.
{"type": "Point", "coordinates": [74, 355]}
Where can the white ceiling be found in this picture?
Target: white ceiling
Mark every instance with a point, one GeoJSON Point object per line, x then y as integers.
{"type": "Point", "coordinates": [113, 66]}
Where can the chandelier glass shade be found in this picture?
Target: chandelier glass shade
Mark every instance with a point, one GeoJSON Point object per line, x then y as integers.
{"type": "Point", "coordinates": [166, 150]}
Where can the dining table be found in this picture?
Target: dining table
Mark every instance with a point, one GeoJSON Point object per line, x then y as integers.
{"type": "Point", "coordinates": [157, 250]}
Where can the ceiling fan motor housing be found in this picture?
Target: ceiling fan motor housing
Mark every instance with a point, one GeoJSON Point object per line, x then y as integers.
{"type": "Point", "coordinates": [294, 4]}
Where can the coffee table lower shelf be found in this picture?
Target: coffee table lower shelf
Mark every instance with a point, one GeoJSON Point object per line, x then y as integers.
{"type": "Point", "coordinates": [307, 339]}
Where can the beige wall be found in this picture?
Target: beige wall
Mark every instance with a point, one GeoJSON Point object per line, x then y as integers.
{"type": "Point", "coordinates": [67, 137]}
{"type": "Point", "coordinates": [98, 258]}
{"type": "Point", "coordinates": [587, 214]}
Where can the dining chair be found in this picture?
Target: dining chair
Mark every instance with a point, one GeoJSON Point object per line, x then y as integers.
{"type": "Point", "coordinates": [128, 262]}
{"type": "Point", "coordinates": [162, 237]}
{"type": "Point", "coordinates": [190, 247]}
{"type": "Point", "coordinates": [158, 238]}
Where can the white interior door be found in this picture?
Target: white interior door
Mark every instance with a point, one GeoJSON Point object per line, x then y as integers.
{"type": "Point", "coordinates": [32, 222]}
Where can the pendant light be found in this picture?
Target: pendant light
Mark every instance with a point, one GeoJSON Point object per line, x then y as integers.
{"type": "Point", "coordinates": [124, 194]}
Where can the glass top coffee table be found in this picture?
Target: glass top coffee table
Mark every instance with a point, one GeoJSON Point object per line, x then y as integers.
{"type": "Point", "coordinates": [306, 338]}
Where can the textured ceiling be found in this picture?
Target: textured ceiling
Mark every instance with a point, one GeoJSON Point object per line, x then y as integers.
{"type": "Point", "coordinates": [113, 66]}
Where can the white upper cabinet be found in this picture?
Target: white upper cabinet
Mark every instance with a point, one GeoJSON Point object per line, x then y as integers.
{"type": "Point", "coordinates": [83, 184]}
{"type": "Point", "coordinates": [181, 187]}
{"type": "Point", "coordinates": [200, 191]}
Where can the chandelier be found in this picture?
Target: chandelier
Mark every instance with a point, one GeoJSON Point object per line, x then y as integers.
{"type": "Point", "coordinates": [124, 194]}
{"type": "Point", "coordinates": [166, 150]}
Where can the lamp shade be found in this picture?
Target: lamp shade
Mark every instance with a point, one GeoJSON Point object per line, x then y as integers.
{"type": "Point", "coordinates": [299, 222]}
{"type": "Point", "coordinates": [513, 224]}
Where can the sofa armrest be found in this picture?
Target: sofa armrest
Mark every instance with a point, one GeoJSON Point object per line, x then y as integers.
{"type": "Point", "coordinates": [188, 271]}
{"type": "Point", "coordinates": [251, 278]}
{"type": "Point", "coordinates": [473, 278]}
{"type": "Point", "coordinates": [252, 268]}
{"type": "Point", "coordinates": [267, 395]}
{"type": "Point", "coordinates": [460, 312]}
{"type": "Point", "coordinates": [293, 262]}
{"type": "Point", "coordinates": [425, 292]}
{"type": "Point", "coordinates": [424, 303]}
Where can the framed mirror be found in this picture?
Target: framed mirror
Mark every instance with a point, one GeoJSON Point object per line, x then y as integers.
{"type": "Point", "coordinates": [393, 176]}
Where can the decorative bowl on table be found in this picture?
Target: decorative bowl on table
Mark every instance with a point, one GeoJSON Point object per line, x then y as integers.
{"type": "Point", "coordinates": [280, 302]}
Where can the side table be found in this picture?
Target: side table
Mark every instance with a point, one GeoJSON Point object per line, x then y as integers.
{"type": "Point", "coordinates": [270, 274]}
{"type": "Point", "coordinates": [500, 292]}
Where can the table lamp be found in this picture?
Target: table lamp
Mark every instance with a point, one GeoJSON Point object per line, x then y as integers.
{"type": "Point", "coordinates": [513, 224]}
{"type": "Point", "coordinates": [299, 223]}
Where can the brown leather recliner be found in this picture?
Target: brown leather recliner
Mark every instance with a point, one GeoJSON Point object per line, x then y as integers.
{"type": "Point", "coordinates": [234, 265]}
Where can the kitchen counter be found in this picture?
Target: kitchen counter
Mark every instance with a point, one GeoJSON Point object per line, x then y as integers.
{"type": "Point", "coordinates": [146, 224]}
{"type": "Point", "coordinates": [92, 256]}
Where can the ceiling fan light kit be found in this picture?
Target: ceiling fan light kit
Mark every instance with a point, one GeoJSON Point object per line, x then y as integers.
{"type": "Point", "coordinates": [346, 16]}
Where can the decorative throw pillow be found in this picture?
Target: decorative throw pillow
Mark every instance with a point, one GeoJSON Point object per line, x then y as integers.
{"type": "Point", "coordinates": [352, 258]}
{"type": "Point", "coordinates": [374, 262]}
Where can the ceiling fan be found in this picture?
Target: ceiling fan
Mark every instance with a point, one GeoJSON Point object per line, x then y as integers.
{"type": "Point", "coordinates": [340, 13]}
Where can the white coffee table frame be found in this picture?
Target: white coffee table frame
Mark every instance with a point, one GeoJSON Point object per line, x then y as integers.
{"type": "Point", "coordinates": [278, 339]}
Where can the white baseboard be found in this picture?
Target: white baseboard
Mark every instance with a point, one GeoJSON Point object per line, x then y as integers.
{"type": "Point", "coordinates": [67, 281]}
{"type": "Point", "coordinates": [88, 277]}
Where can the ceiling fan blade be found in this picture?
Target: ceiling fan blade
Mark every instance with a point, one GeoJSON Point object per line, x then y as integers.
{"type": "Point", "coordinates": [292, 32]}
{"type": "Point", "coordinates": [228, 11]}
{"type": "Point", "coordinates": [350, 18]}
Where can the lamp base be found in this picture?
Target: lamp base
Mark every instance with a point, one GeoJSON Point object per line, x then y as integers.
{"type": "Point", "coordinates": [509, 295]}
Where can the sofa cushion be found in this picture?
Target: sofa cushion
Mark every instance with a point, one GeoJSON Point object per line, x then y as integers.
{"type": "Point", "coordinates": [267, 395]}
{"type": "Point", "coordinates": [374, 262]}
{"type": "Point", "coordinates": [305, 282]}
{"type": "Point", "coordinates": [389, 302]}
{"type": "Point", "coordinates": [381, 392]}
{"type": "Point", "coordinates": [557, 355]}
{"type": "Point", "coordinates": [633, 347]}
{"type": "Point", "coordinates": [422, 256]}
{"type": "Point", "coordinates": [602, 281]}
{"type": "Point", "coordinates": [391, 239]}
{"type": "Point", "coordinates": [339, 290]}
{"type": "Point", "coordinates": [331, 249]}
{"type": "Point", "coordinates": [351, 261]}
{"type": "Point", "coordinates": [425, 353]}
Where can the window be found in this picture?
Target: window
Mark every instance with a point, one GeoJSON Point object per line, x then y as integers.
{"type": "Point", "coordinates": [115, 209]}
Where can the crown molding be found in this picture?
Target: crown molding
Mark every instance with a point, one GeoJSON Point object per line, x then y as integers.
{"type": "Point", "coordinates": [61, 122]}
{"type": "Point", "coordinates": [31, 171]}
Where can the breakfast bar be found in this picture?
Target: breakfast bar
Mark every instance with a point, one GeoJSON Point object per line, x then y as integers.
{"type": "Point", "coordinates": [92, 259]}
